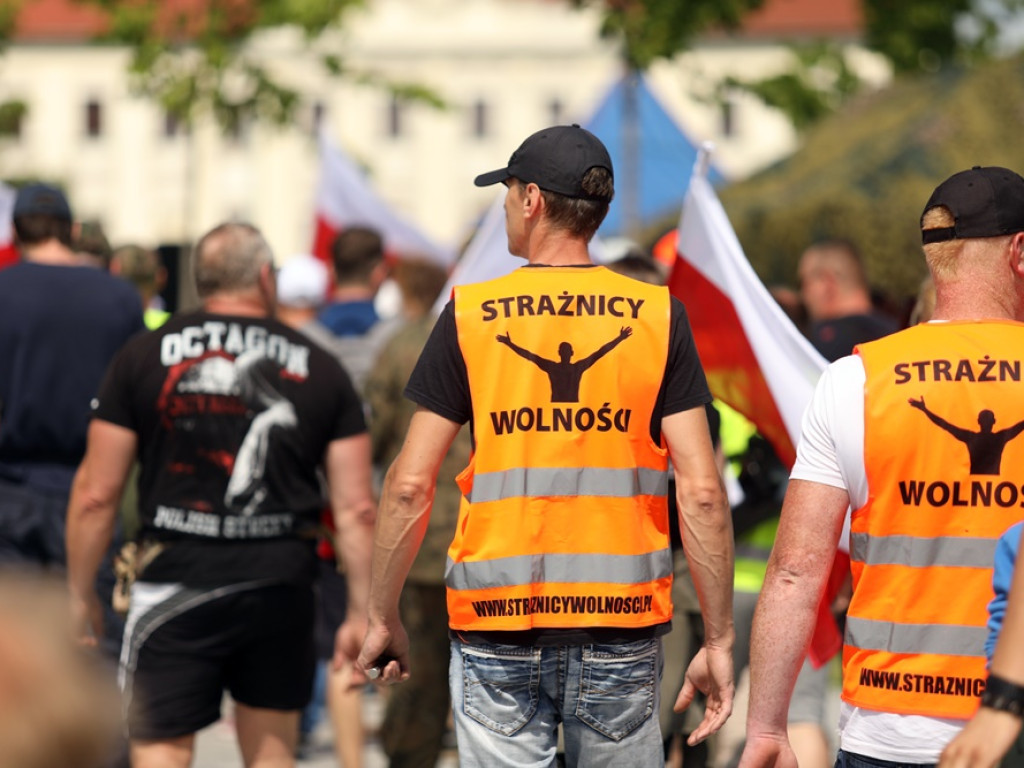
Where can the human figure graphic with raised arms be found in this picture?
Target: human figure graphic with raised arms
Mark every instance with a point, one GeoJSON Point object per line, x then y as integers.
{"type": "Point", "coordinates": [565, 376]}
{"type": "Point", "coordinates": [985, 446]}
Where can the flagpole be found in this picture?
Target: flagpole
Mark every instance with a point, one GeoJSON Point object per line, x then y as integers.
{"type": "Point", "coordinates": [703, 162]}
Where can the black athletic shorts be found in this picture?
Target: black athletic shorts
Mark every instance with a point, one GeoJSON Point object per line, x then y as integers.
{"type": "Point", "coordinates": [331, 606]}
{"type": "Point", "coordinates": [183, 647]}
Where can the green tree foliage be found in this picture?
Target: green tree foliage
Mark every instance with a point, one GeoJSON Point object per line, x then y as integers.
{"type": "Point", "coordinates": [865, 173]}
{"type": "Point", "coordinates": [192, 62]}
{"type": "Point", "coordinates": [914, 35]}
{"type": "Point", "coordinates": [819, 82]}
{"type": "Point", "coordinates": [9, 10]}
{"type": "Point", "coordinates": [929, 34]}
{"type": "Point", "coordinates": [653, 29]}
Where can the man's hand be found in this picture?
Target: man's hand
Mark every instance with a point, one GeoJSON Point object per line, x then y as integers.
{"type": "Point", "coordinates": [710, 672]}
{"type": "Point", "coordinates": [983, 742]}
{"type": "Point", "coordinates": [346, 647]}
{"type": "Point", "coordinates": [386, 641]}
{"type": "Point", "coordinates": [86, 619]}
{"type": "Point", "coordinates": [504, 338]}
{"type": "Point", "coordinates": [767, 751]}
{"type": "Point", "coordinates": [625, 332]}
{"type": "Point", "coordinates": [919, 403]}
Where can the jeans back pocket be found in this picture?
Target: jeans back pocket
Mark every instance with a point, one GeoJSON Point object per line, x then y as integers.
{"type": "Point", "coordinates": [617, 686]}
{"type": "Point", "coordinates": [501, 685]}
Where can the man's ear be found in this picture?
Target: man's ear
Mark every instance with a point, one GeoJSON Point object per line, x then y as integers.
{"type": "Point", "coordinates": [533, 200]}
{"type": "Point", "coordinates": [1017, 254]}
{"type": "Point", "coordinates": [380, 273]}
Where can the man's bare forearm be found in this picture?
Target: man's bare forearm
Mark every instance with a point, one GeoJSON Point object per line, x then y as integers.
{"type": "Point", "coordinates": [812, 519]}
{"type": "Point", "coordinates": [705, 526]}
{"type": "Point", "coordinates": [349, 480]}
{"type": "Point", "coordinates": [401, 524]}
{"type": "Point", "coordinates": [353, 542]}
{"type": "Point", "coordinates": [90, 528]}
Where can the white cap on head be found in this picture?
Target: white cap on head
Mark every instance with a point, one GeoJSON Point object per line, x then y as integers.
{"type": "Point", "coordinates": [302, 281]}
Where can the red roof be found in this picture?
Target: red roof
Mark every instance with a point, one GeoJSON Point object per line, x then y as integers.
{"type": "Point", "coordinates": [805, 18]}
{"type": "Point", "coordinates": [58, 20]}
{"type": "Point", "coordinates": [74, 20]}
{"type": "Point", "coordinates": [71, 20]}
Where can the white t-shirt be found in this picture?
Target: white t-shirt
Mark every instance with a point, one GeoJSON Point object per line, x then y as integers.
{"type": "Point", "coordinates": [831, 452]}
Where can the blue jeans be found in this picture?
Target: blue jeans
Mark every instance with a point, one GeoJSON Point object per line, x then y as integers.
{"type": "Point", "coordinates": [508, 700]}
{"type": "Point", "coordinates": [853, 760]}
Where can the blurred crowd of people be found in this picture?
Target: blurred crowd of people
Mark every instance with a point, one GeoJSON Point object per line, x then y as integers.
{"type": "Point", "coordinates": [206, 480]}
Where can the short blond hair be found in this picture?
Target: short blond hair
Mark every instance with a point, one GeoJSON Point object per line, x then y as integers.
{"type": "Point", "coordinates": [943, 257]}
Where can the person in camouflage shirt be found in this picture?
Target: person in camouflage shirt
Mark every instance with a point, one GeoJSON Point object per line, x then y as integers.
{"type": "Point", "coordinates": [415, 719]}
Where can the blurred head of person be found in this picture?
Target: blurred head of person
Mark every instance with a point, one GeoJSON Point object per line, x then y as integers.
{"type": "Point", "coordinates": [234, 265]}
{"type": "Point", "coordinates": [303, 282]}
{"type": "Point", "coordinates": [90, 244]}
{"type": "Point", "coordinates": [142, 267]}
{"type": "Point", "coordinates": [357, 258]}
{"type": "Point", "coordinates": [832, 281]}
{"type": "Point", "coordinates": [420, 281]}
{"type": "Point", "coordinates": [639, 266]}
{"type": "Point", "coordinates": [41, 214]}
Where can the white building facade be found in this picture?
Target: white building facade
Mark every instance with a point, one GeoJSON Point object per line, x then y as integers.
{"type": "Point", "coordinates": [504, 68]}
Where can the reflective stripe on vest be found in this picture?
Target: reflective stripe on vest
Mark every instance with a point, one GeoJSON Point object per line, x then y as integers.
{"type": "Point", "coordinates": [942, 458]}
{"type": "Point", "coordinates": [915, 638]}
{"type": "Point", "coordinates": [564, 517]}
{"type": "Point", "coordinates": [568, 481]}
{"type": "Point", "coordinates": [961, 552]}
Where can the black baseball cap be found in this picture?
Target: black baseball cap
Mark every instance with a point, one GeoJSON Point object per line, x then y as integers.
{"type": "Point", "coordinates": [985, 202]}
{"type": "Point", "coordinates": [41, 200]}
{"type": "Point", "coordinates": [555, 159]}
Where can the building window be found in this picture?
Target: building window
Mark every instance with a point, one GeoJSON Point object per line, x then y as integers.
{"type": "Point", "coordinates": [728, 126]}
{"type": "Point", "coordinates": [316, 117]}
{"type": "Point", "coordinates": [93, 119]}
{"type": "Point", "coordinates": [12, 116]}
{"type": "Point", "coordinates": [236, 132]}
{"type": "Point", "coordinates": [396, 117]}
{"type": "Point", "coordinates": [556, 111]}
{"type": "Point", "coordinates": [173, 125]}
{"type": "Point", "coordinates": [480, 119]}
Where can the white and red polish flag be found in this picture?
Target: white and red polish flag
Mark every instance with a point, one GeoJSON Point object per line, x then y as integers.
{"type": "Point", "coordinates": [8, 253]}
{"type": "Point", "coordinates": [344, 198]}
{"type": "Point", "coordinates": [755, 359]}
{"type": "Point", "coordinates": [486, 256]}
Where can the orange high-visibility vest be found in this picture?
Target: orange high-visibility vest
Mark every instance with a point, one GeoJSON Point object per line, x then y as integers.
{"type": "Point", "coordinates": [564, 517]}
{"type": "Point", "coordinates": [944, 454]}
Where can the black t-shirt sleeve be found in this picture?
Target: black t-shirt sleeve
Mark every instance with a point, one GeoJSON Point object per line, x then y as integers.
{"type": "Point", "coordinates": [349, 420]}
{"type": "Point", "coordinates": [685, 385]}
{"type": "Point", "coordinates": [113, 401]}
{"type": "Point", "coordinates": [440, 382]}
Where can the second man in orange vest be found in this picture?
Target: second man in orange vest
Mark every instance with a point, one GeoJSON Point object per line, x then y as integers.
{"type": "Point", "coordinates": [918, 433]}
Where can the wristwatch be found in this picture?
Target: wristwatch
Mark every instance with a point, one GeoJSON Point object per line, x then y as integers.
{"type": "Point", "coordinates": [1004, 696]}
